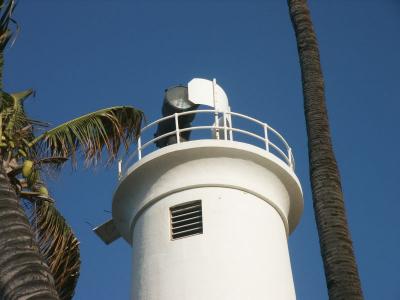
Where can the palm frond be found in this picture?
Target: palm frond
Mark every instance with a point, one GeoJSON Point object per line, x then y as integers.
{"type": "Point", "coordinates": [58, 160]}
{"type": "Point", "coordinates": [16, 126]}
{"type": "Point", "coordinates": [50, 166]}
{"type": "Point", "coordinates": [21, 96]}
{"type": "Point", "coordinates": [6, 10]}
{"type": "Point", "coordinates": [58, 245]}
{"type": "Point", "coordinates": [13, 111]}
{"type": "Point", "coordinates": [5, 19]}
{"type": "Point", "coordinates": [91, 134]}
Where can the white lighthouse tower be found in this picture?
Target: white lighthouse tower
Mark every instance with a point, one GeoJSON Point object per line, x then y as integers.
{"type": "Point", "coordinates": [208, 216]}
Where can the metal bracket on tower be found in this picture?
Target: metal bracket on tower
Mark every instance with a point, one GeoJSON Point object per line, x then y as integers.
{"type": "Point", "coordinates": [107, 232]}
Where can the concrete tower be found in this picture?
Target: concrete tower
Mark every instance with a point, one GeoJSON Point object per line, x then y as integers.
{"type": "Point", "coordinates": [208, 217]}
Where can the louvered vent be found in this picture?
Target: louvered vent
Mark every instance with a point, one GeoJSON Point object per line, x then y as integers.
{"type": "Point", "coordinates": [186, 219]}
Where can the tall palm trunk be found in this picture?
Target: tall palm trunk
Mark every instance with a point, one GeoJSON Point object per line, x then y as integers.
{"type": "Point", "coordinates": [23, 272]}
{"type": "Point", "coordinates": [336, 246]}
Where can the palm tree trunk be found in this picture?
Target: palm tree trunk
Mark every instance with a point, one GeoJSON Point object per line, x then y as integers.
{"type": "Point", "coordinates": [23, 272]}
{"type": "Point", "coordinates": [336, 246]}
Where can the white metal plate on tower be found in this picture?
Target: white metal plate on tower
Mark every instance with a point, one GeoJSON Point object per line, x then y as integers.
{"type": "Point", "coordinates": [207, 92]}
{"type": "Point", "coordinates": [107, 232]}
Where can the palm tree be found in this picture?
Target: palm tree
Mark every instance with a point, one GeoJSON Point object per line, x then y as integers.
{"type": "Point", "coordinates": [336, 246]}
{"type": "Point", "coordinates": [39, 254]}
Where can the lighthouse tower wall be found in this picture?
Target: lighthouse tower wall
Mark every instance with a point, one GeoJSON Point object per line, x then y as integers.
{"type": "Point", "coordinates": [242, 253]}
{"type": "Point", "coordinates": [250, 202]}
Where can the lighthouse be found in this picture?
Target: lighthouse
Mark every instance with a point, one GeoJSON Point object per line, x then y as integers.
{"type": "Point", "coordinates": [207, 203]}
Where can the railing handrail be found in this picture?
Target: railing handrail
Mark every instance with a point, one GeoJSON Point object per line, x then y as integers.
{"type": "Point", "coordinates": [227, 129]}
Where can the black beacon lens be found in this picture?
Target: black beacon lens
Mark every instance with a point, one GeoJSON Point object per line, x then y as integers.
{"type": "Point", "coordinates": [176, 100]}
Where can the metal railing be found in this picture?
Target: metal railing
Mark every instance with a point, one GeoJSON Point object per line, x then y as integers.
{"type": "Point", "coordinates": [224, 131]}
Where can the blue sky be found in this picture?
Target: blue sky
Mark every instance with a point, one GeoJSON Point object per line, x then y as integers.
{"type": "Point", "coordinates": [85, 55]}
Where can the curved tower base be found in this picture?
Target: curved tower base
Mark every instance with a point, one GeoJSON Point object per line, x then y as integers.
{"type": "Point", "coordinates": [209, 220]}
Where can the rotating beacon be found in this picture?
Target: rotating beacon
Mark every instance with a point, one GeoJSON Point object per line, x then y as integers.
{"type": "Point", "coordinates": [208, 217]}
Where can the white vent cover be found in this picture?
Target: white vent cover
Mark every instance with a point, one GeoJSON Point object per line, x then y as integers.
{"type": "Point", "coordinates": [207, 92]}
{"type": "Point", "coordinates": [186, 219]}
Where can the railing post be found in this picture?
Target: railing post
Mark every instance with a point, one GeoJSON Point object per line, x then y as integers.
{"type": "Point", "coordinates": [139, 147]}
{"type": "Point", "coordinates": [290, 158]}
{"type": "Point", "coordinates": [216, 125]}
{"type": "Point", "coordinates": [119, 169]}
{"type": "Point", "coordinates": [266, 137]}
{"type": "Point", "coordinates": [225, 127]}
{"type": "Point", "coordinates": [178, 137]}
{"type": "Point", "coordinates": [230, 126]}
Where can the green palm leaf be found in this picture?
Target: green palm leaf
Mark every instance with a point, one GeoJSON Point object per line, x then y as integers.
{"type": "Point", "coordinates": [56, 241]}
{"type": "Point", "coordinates": [16, 127]}
{"type": "Point", "coordinates": [13, 111]}
{"type": "Point", "coordinates": [5, 19]}
{"type": "Point", "coordinates": [58, 245]}
{"type": "Point", "coordinates": [91, 134]}
{"type": "Point", "coordinates": [6, 10]}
